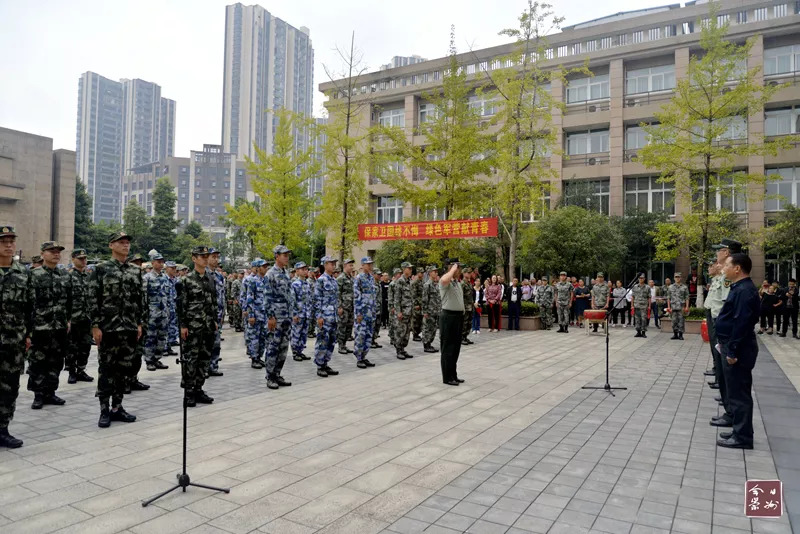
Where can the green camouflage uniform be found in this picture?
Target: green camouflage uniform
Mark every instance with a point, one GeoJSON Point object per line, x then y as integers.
{"type": "Point", "coordinates": [14, 328]}
{"type": "Point", "coordinates": [50, 293]}
{"type": "Point", "coordinates": [391, 312]}
{"type": "Point", "coordinates": [80, 328]}
{"type": "Point", "coordinates": [563, 296]}
{"type": "Point", "coordinates": [118, 306]}
{"type": "Point", "coordinates": [641, 303]}
{"type": "Point", "coordinates": [431, 309]}
{"type": "Point", "coordinates": [546, 298]}
{"type": "Point", "coordinates": [236, 308]}
{"type": "Point", "coordinates": [346, 319]}
{"type": "Point", "coordinates": [198, 313]}
{"type": "Point", "coordinates": [678, 294]}
{"type": "Point", "coordinates": [403, 303]}
{"type": "Point", "coordinates": [416, 314]}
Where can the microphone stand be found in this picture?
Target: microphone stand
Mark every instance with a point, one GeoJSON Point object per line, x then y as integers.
{"type": "Point", "coordinates": [183, 477]}
{"type": "Point", "coordinates": [607, 386]}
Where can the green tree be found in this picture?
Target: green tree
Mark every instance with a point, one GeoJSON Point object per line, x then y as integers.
{"type": "Point", "coordinates": [672, 238]}
{"type": "Point", "coordinates": [526, 137]}
{"type": "Point", "coordinates": [192, 235]}
{"type": "Point", "coordinates": [449, 165]}
{"type": "Point", "coordinates": [347, 156]}
{"type": "Point", "coordinates": [575, 240]}
{"type": "Point", "coordinates": [702, 133]}
{"type": "Point", "coordinates": [783, 235]}
{"type": "Point", "coordinates": [98, 243]}
{"type": "Point", "coordinates": [163, 223]}
{"type": "Point", "coordinates": [638, 229]}
{"type": "Point", "coordinates": [135, 223]}
{"type": "Point", "coordinates": [278, 179]}
{"type": "Point", "coordinates": [84, 235]}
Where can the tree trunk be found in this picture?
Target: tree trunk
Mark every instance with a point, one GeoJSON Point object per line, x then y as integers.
{"type": "Point", "coordinates": [512, 251]}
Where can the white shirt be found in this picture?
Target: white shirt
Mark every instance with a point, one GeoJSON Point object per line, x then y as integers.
{"type": "Point", "coordinates": [653, 293]}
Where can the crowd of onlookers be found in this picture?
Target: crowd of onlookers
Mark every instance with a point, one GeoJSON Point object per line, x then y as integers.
{"type": "Point", "coordinates": [779, 307]}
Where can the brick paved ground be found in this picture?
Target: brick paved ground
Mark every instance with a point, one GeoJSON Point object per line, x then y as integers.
{"type": "Point", "coordinates": [518, 448]}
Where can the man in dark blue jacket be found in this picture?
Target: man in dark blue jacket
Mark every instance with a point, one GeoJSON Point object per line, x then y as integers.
{"type": "Point", "coordinates": [739, 348]}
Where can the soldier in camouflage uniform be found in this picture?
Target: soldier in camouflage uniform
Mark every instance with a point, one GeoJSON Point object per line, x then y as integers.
{"type": "Point", "coordinates": [365, 294]}
{"type": "Point", "coordinates": [416, 315]}
{"type": "Point", "coordinates": [641, 303]}
{"type": "Point", "coordinates": [198, 315]}
{"type": "Point", "coordinates": [546, 298]}
{"type": "Point", "coordinates": [118, 310]}
{"type": "Point", "coordinates": [600, 295]}
{"type": "Point", "coordinates": [301, 313]}
{"type": "Point", "coordinates": [80, 329]}
{"type": "Point", "coordinates": [236, 308]}
{"type": "Point", "coordinates": [254, 308]}
{"type": "Point", "coordinates": [396, 273]}
{"type": "Point", "coordinates": [326, 302]}
{"type": "Point", "coordinates": [563, 298]}
{"type": "Point", "coordinates": [403, 306]}
{"type": "Point", "coordinates": [431, 308]}
{"type": "Point", "coordinates": [219, 282]}
{"type": "Point", "coordinates": [50, 293]}
{"type": "Point", "coordinates": [279, 304]}
{"type": "Point", "coordinates": [677, 306]}
{"type": "Point", "coordinates": [157, 287]}
{"type": "Point", "coordinates": [469, 304]}
{"type": "Point", "coordinates": [345, 323]}
{"type": "Point", "coordinates": [376, 329]}
{"type": "Point", "coordinates": [15, 327]}
{"type": "Point", "coordinates": [312, 319]}
{"type": "Point", "coordinates": [172, 333]}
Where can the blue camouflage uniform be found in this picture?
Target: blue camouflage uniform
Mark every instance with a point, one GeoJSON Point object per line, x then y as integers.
{"type": "Point", "coordinates": [256, 335]}
{"type": "Point", "coordinates": [172, 335]}
{"type": "Point", "coordinates": [158, 288]}
{"type": "Point", "coordinates": [219, 282]}
{"type": "Point", "coordinates": [279, 303]}
{"type": "Point", "coordinates": [242, 303]}
{"type": "Point", "coordinates": [364, 298]}
{"type": "Point", "coordinates": [301, 288]}
{"type": "Point", "coordinates": [326, 304]}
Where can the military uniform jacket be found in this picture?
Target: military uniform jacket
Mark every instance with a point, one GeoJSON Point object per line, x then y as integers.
{"type": "Point", "coordinates": [390, 295]}
{"type": "Point", "coordinates": [469, 296]}
{"type": "Point", "coordinates": [677, 296]}
{"type": "Point", "coordinates": [326, 297]}
{"type": "Point", "coordinates": [403, 301]}
{"type": "Point", "coordinates": [416, 292]}
{"type": "Point", "coordinates": [15, 306]}
{"type": "Point", "coordinates": [50, 294]}
{"type": "Point", "coordinates": [547, 296]}
{"type": "Point", "coordinates": [301, 290]}
{"type": "Point", "coordinates": [278, 295]}
{"type": "Point", "coordinates": [641, 296]}
{"type": "Point", "coordinates": [563, 293]}
{"type": "Point", "coordinates": [346, 296]}
{"type": "Point", "coordinates": [80, 297]}
{"type": "Point", "coordinates": [236, 290]}
{"type": "Point", "coordinates": [600, 295]}
{"type": "Point", "coordinates": [245, 289]}
{"type": "Point", "coordinates": [365, 296]}
{"type": "Point", "coordinates": [198, 294]}
{"type": "Point", "coordinates": [219, 281]}
{"type": "Point", "coordinates": [254, 299]}
{"type": "Point", "coordinates": [431, 299]}
{"type": "Point", "coordinates": [116, 298]}
{"type": "Point", "coordinates": [157, 288]}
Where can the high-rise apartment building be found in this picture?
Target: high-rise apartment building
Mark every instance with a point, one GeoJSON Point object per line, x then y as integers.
{"type": "Point", "coordinates": [268, 65]}
{"type": "Point", "coordinates": [121, 125]}
{"type": "Point", "coordinates": [636, 58]}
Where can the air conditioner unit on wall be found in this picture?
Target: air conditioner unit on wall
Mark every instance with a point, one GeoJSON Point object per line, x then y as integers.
{"type": "Point", "coordinates": [592, 109]}
{"type": "Point", "coordinates": [631, 102]}
{"type": "Point", "coordinates": [592, 161]}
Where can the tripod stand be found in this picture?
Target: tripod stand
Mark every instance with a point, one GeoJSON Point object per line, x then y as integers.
{"type": "Point", "coordinates": [607, 386]}
{"type": "Point", "coordinates": [183, 477]}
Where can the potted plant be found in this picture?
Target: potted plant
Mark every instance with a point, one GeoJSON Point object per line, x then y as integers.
{"type": "Point", "coordinates": [692, 322]}
{"type": "Point", "coordinates": [528, 316]}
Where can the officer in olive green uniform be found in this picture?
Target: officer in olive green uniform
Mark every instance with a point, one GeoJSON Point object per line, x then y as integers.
{"type": "Point", "coordinates": [50, 292]}
{"type": "Point", "coordinates": [641, 303]}
{"type": "Point", "coordinates": [15, 326]}
{"type": "Point", "coordinates": [677, 306]}
{"type": "Point", "coordinates": [80, 329]}
{"type": "Point", "coordinates": [118, 312]}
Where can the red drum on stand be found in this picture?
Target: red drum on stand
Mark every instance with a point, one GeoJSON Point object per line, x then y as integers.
{"type": "Point", "coordinates": [594, 315]}
{"type": "Point", "coordinates": [704, 330]}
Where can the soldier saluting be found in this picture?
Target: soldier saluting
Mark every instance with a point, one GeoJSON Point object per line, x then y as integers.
{"type": "Point", "coordinates": [197, 294]}
{"type": "Point", "coordinates": [14, 330]}
{"type": "Point", "coordinates": [117, 302]}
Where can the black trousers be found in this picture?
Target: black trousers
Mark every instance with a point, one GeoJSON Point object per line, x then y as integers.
{"type": "Point", "coordinates": [719, 374]}
{"type": "Point", "coordinates": [513, 315]}
{"type": "Point", "coordinates": [767, 315]}
{"type": "Point", "coordinates": [790, 314]}
{"type": "Point", "coordinates": [450, 324]}
{"type": "Point", "coordinates": [739, 379]}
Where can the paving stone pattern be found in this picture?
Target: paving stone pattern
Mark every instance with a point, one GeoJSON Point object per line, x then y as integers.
{"type": "Point", "coordinates": [518, 448]}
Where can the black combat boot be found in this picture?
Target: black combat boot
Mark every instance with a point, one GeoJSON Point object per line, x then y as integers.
{"type": "Point", "coordinates": [83, 377]}
{"type": "Point", "coordinates": [361, 365]}
{"type": "Point", "coordinates": [343, 349]}
{"type": "Point", "coordinates": [105, 418]}
{"type": "Point", "coordinates": [674, 335]}
{"type": "Point", "coordinates": [282, 382]}
{"type": "Point", "coordinates": [331, 372]}
{"type": "Point", "coordinates": [368, 363]}
{"type": "Point", "coordinates": [416, 338]}
{"type": "Point", "coordinates": [321, 372]}
{"type": "Point", "coordinates": [428, 348]}
{"type": "Point", "coordinates": [72, 378]}
{"type": "Point", "coordinates": [121, 415]}
{"type": "Point", "coordinates": [138, 386]}
{"type": "Point", "coordinates": [296, 357]}
{"type": "Point", "coordinates": [560, 329]}
{"type": "Point", "coordinates": [190, 400]}
{"type": "Point", "coordinates": [400, 355]}
{"type": "Point", "coordinates": [680, 336]}
{"type": "Point", "coordinates": [201, 397]}
{"type": "Point", "coordinates": [38, 401]}
{"type": "Point", "coordinates": [376, 346]}
{"type": "Point", "coordinates": [566, 329]}
{"type": "Point", "coordinates": [55, 400]}
{"type": "Point", "coordinates": [9, 441]}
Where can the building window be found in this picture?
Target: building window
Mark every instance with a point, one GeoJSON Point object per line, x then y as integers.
{"type": "Point", "coordinates": [183, 209]}
{"type": "Point", "coordinates": [184, 169]}
{"type": "Point", "coordinates": [197, 209]}
{"type": "Point", "coordinates": [782, 121]}
{"type": "Point", "coordinates": [783, 188]}
{"type": "Point", "coordinates": [723, 19]}
{"type": "Point", "coordinates": [781, 10]}
{"type": "Point", "coordinates": [239, 186]}
{"type": "Point", "coordinates": [197, 196]}
{"type": "Point", "coordinates": [782, 60]}
{"type": "Point", "coordinates": [590, 194]}
{"type": "Point", "coordinates": [437, 75]}
{"type": "Point", "coordinates": [647, 194]}
{"type": "Point", "coordinates": [687, 27]}
{"type": "Point", "coordinates": [226, 185]}
{"type": "Point", "coordinates": [240, 172]}
{"type": "Point", "coordinates": [389, 210]}
{"type": "Point", "coordinates": [741, 17]}
{"type": "Point", "coordinates": [725, 195]}
{"type": "Point", "coordinates": [606, 42]}
{"type": "Point", "coordinates": [759, 14]}
{"type": "Point", "coordinates": [563, 51]}
{"type": "Point", "coordinates": [591, 142]}
{"type": "Point", "coordinates": [197, 170]}
{"type": "Point", "coordinates": [183, 195]}
{"type": "Point", "coordinates": [637, 36]}
{"type": "Point", "coordinates": [650, 79]}
{"type": "Point", "coordinates": [197, 183]}
{"type": "Point", "coordinates": [213, 196]}
{"type": "Point", "coordinates": [654, 34]}
{"type": "Point", "coordinates": [227, 198]}
{"type": "Point", "coordinates": [483, 105]}
{"type": "Point", "coordinates": [670, 30]}
{"type": "Point", "coordinates": [586, 89]}
{"type": "Point", "coordinates": [736, 128]}
{"type": "Point", "coordinates": [636, 137]}
{"type": "Point", "coordinates": [427, 113]}
{"type": "Point", "coordinates": [538, 210]}
{"type": "Point", "coordinates": [392, 118]}
{"type": "Point", "coordinates": [184, 183]}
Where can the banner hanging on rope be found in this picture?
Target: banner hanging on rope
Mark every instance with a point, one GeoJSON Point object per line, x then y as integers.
{"type": "Point", "coordinates": [462, 228]}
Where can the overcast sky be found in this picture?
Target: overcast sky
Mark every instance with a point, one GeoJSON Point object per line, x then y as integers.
{"type": "Point", "coordinates": [178, 44]}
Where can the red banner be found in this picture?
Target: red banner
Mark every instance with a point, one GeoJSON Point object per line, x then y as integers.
{"type": "Point", "coordinates": [429, 229]}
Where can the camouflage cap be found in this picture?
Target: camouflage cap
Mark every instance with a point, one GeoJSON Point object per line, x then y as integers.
{"type": "Point", "coordinates": [365, 260]}
{"type": "Point", "coordinates": [51, 245]}
{"type": "Point", "coordinates": [281, 249]}
{"type": "Point", "coordinates": [467, 270]}
{"type": "Point", "coordinates": [79, 253]}
{"type": "Point", "coordinates": [327, 259]}
{"type": "Point", "coordinates": [431, 268]}
{"type": "Point", "coordinates": [135, 258]}
{"type": "Point", "coordinates": [201, 250]}
{"type": "Point", "coordinates": [642, 275]}
{"type": "Point", "coordinates": [170, 264]}
{"type": "Point", "coordinates": [36, 259]}
{"type": "Point", "coordinates": [677, 275]}
{"type": "Point", "coordinates": [544, 278]}
{"type": "Point", "coordinates": [258, 262]}
{"type": "Point", "coordinates": [600, 275]}
{"type": "Point", "coordinates": [7, 231]}
{"type": "Point", "coordinates": [300, 265]}
{"type": "Point", "coordinates": [116, 236]}
{"type": "Point", "coordinates": [562, 273]}
{"type": "Point", "coordinates": [213, 250]}
{"type": "Point", "coordinates": [182, 267]}
{"type": "Point", "coordinates": [731, 244]}
{"type": "Point", "coordinates": [156, 256]}
{"type": "Point", "coordinates": [348, 260]}
{"type": "Point", "coordinates": [377, 272]}
{"type": "Point", "coordinates": [397, 270]}
{"type": "Point", "coordinates": [406, 265]}
{"type": "Point", "coordinates": [147, 265]}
